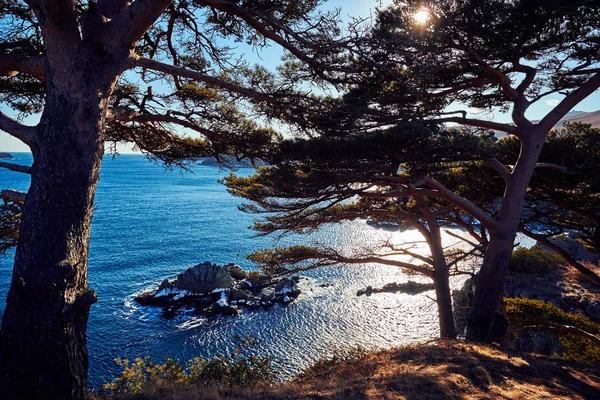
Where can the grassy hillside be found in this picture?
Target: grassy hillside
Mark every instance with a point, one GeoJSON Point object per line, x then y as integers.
{"type": "Point", "coordinates": [441, 370]}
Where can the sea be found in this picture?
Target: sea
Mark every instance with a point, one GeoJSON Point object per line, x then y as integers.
{"type": "Point", "coordinates": [151, 223]}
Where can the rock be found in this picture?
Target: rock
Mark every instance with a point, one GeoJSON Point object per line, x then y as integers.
{"type": "Point", "coordinates": [461, 304]}
{"type": "Point", "coordinates": [204, 278]}
{"type": "Point", "coordinates": [367, 291]}
{"type": "Point", "coordinates": [267, 294]}
{"type": "Point", "coordinates": [216, 309]}
{"type": "Point", "coordinates": [253, 304]}
{"type": "Point", "coordinates": [238, 294]}
{"type": "Point", "coordinates": [166, 284]}
{"type": "Point", "coordinates": [245, 285]}
{"type": "Point", "coordinates": [145, 298]}
{"type": "Point", "coordinates": [409, 287]}
{"type": "Point", "coordinates": [286, 286]}
{"type": "Point", "coordinates": [6, 156]}
{"type": "Point", "coordinates": [572, 246]}
{"type": "Point", "coordinates": [212, 289]}
{"type": "Point", "coordinates": [593, 310]}
{"type": "Point", "coordinates": [235, 271]}
{"type": "Point", "coordinates": [222, 306]}
{"type": "Point", "coordinates": [286, 290]}
{"type": "Point", "coordinates": [537, 342]}
{"type": "Point", "coordinates": [257, 282]}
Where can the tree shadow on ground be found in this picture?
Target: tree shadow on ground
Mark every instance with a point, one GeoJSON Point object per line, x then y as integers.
{"type": "Point", "coordinates": [446, 370]}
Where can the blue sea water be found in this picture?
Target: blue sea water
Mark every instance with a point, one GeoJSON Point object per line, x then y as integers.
{"type": "Point", "coordinates": [150, 223]}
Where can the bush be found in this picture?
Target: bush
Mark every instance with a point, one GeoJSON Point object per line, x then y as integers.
{"type": "Point", "coordinates": [524, 312]}
{"type": "Point", "coordinates": [533, 259]}
{"type": "Point", "coordinates": [242, 368]}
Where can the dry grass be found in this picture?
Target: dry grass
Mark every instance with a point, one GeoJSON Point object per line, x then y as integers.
{"type": "Point", "coordinates": [443, 370]}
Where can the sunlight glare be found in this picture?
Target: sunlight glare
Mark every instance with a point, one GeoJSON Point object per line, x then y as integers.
{"type": "Point", "coordinates": [421, 16]}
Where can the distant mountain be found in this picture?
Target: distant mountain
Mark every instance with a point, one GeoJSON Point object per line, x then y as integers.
{"type": "Point", "coordinates": [592, 118]}
{"type": "Point", "coordinates": [574, 112]}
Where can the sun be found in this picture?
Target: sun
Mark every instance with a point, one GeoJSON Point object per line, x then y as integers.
{"type": "Point", "coordinates": [421, 16]}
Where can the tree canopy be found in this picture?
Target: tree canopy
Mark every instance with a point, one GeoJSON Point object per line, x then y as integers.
{"type": "Point", "coordinates": [500, 56]}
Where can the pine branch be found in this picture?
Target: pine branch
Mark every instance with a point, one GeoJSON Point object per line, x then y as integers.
{"type": "Point", "coordinates": [570, 101]}
{"type": "Point", "coordinates": [11, 64]}
{"type": "Point", "coordinates": [14, 128]}
{"type": "Point", "coordinates": [137, 61]}
{"type": "Point", "coordinates": [479, 123]}
{"type": "Point", "coordinates": [16, 167]}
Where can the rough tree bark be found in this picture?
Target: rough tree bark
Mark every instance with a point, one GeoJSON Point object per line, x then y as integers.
{"type": "Point", "coordinates": [43, 336]}
{"type": "Point", "coordinates": [44, 325]}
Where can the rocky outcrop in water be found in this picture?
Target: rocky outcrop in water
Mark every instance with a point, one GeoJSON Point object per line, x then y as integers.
{"type": "Point", "coordinates": [211, 289]}
{"type": "Point", "coordinates": [6, 156]}
{"type": "Point", "coordinates": [409, 287]}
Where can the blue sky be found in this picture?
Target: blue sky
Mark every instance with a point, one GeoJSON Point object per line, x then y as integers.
{"type": "Point", "coordinates": [270, 57]}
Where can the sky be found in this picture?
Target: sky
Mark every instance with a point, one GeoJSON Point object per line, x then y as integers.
{"type": "Point", "coordinates": [271, 56]}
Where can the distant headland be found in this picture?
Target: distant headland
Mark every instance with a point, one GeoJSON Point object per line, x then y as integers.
{"type": "Point", "coordinates": [6, 156]}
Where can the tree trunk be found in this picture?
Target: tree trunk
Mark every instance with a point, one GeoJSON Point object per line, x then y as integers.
{"type": "Point", "coordinates": [43, 337]}
{"type": "Point", "coordinates": [443, 297]}
{"type": "Point", "coordinates": [485, 322]}
{"type": "Point", "coordinates": [489, 288]}
{"type": "Point", "coordinates": [441, 282]}
{"type": "Point", "coordinates": [441, 274]}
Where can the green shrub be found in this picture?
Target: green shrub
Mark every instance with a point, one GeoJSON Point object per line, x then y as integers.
{"type": "Point", "coordinates": [242, 368]}
{"type": "Point", "coordinates": [524, 312]}
{"type": "Point", "coordinates": [533, 259]}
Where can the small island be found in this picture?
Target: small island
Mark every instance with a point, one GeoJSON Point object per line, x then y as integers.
{"type": "Point", "coordinates": [6, 156]}
{"type": "Point", "coordinates": [212, 289]}
{"type": "Point", "coordinates": [410, 287]}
